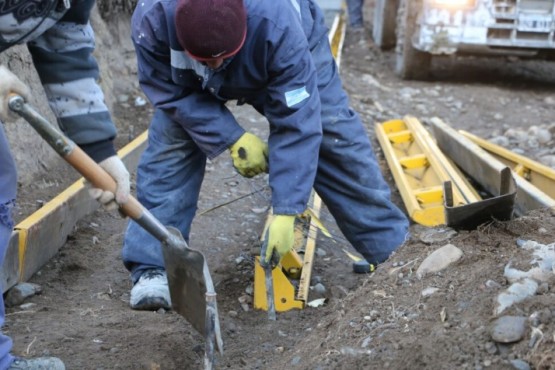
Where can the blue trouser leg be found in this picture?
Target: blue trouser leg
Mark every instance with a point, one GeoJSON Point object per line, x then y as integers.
{"type": "Point", "coordinates": [169, 177]}
{"type": "Point", "coordinates": [8, 186]}
{"type": "Point", "coordinates": [349, 179]}
{"type": "Point", "coordinates": [354, 10]}
{"type": "Point", "coordinates": [5, 341]}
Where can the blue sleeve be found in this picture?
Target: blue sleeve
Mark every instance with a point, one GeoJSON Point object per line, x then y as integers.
{"type": "Point", "coordinates": [207, 120]}
{"type": "Point", "coordinates": [293, 109]}
{"type": "Point", "coordinates": [68, 71]}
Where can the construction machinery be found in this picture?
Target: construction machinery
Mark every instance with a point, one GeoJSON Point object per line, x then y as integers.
{"type": "Point", "coordinates": [421, 29]}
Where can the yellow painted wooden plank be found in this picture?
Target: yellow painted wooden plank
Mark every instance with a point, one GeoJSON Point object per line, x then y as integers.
{"type": "Point", "coordinates": [39, 236]}
{"type": "Point", "coordinates": [310, 249]}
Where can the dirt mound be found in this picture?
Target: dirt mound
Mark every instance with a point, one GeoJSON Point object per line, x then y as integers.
{"type": "Point", "coordinates": [390, 323]}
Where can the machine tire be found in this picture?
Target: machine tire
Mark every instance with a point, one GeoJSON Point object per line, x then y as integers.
{"type": "Point", "coordinates": [385, 21]}
{"type": "Point", "coordinates": [411, 63]}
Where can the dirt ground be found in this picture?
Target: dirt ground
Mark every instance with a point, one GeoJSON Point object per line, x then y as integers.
{"type": "Point", "coordinates": [385, 320]}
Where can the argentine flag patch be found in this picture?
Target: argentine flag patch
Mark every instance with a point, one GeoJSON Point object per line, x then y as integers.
{"type": "Point", "coordinates": [296, 96]}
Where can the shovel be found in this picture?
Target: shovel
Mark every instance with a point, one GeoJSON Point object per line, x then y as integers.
{"type": "Point", "coordinates": [191, 287]}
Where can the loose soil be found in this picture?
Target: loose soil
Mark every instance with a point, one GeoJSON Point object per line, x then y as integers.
{"type": "Point", "coordinates": [376, 321]}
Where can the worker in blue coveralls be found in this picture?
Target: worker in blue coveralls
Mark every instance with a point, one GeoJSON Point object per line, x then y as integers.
{"type": "Point", "coordinates": [194, 56]}
{"type": "Point", "coordinates": [355, 14]}
{"type": "Point", "coordinates": [60, 40]}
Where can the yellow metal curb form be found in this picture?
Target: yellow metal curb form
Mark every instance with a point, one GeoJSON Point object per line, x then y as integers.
{"type": "Point", "coordinates": [420, 169]}
{"type": "Point", "coordinates": [539, 175]}
{"type": "Point", "coordinates": [484, 168]}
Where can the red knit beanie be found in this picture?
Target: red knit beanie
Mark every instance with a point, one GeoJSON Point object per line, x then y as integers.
{"type": "Point", "coordinates": [209, 29]}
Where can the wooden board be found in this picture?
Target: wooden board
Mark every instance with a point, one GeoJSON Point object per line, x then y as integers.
{"type": "Point", "coordinates": [39, 237]}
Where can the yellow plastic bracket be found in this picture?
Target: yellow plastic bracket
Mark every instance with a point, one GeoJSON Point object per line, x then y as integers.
{"type": "Point", "coordinates": [284, 291]}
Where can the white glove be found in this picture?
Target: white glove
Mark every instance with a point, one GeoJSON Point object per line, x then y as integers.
{"type": "Point", "coordinates": [9, 83]}
{"type": "Point", "coordinates": [115, 168]}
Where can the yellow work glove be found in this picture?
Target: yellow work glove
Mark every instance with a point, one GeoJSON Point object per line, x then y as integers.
{"type": "Point", "coordinates": [249, 155]}
{"type": "Point", "coordinates": [280, 237]}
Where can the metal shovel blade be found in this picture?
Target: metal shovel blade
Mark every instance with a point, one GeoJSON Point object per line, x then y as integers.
{"type": "Point", "coordinates": [191, 287]}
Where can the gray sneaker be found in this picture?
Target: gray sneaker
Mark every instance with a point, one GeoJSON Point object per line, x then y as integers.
{"type": "Point", "coordinates": [151, 291]}
{"type": "Point", "coordinates": [39, 363]}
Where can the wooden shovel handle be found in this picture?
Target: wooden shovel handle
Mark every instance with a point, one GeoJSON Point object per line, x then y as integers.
{"type": "Point", "coordinates": [75, 156]}
{"type": "Point", "coordinates": [99, 178]}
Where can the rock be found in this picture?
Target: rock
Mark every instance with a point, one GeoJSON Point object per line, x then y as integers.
{"type": "Point", "coordinates": [520, 365]}
{"type": "Point", "coordinates": [509, 329]}
{"type": "Point", "coordinates": [140, 101]}
{"type": "Point", "coordinates": [437, 235]}
{"type": "Point", "coordinates": [249, 290]}
{"type": "Point", "coordinates": [541, 134]}
{"type": "Point", "coordinates": [28, 306]}
{"type": "Point", "coordinates": [518, 135]}
{"type": "Point", "coordinates": [544, 258]}
{"type": "Point", "coordinates": [492, 284]}
{"type": "Point", "coordinates": [122, 98]}
{"type": "Point", "coordinates": [429, 291]}
{"type": "Point", "coordinates": [517, 292]}
{"type": "Point", "coordinates": [233, 313]}
{"type": "Point", "coordinates": [320, 252]}
{"type": "Point", "coordinates": [548, 160]}
{"type": "Point", "coordinates": [318, 291]}
{"type": "Point", "coordinates": [543, 316]}
{"type": "Point", "coordinates": [20, 293]}
{"type": "Point", "coordinates": [439, 260]}
{"type": "Point", "coordinates": [543, 288]}
{"type": "Point", "coordinates": [500, 140]}
{"type": "Point", "coordinates": [490, 348]}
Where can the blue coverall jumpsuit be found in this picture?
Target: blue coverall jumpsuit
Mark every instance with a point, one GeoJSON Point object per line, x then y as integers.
{"type": "Point", "coordinates": [61, 42]}
{"type": "Point", "coordinates": [287, 72]}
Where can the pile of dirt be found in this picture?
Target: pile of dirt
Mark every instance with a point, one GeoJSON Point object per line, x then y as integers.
{"type": "Point", "coordinates": [446, 320]}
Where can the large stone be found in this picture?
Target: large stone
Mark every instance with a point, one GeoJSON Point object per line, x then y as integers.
{"type": "Point", "coordinates": [19, 293]}
{"type": "Point", "coordinates": [439, 260]}
{"type": "Point", "coordinates": [508, 329]}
